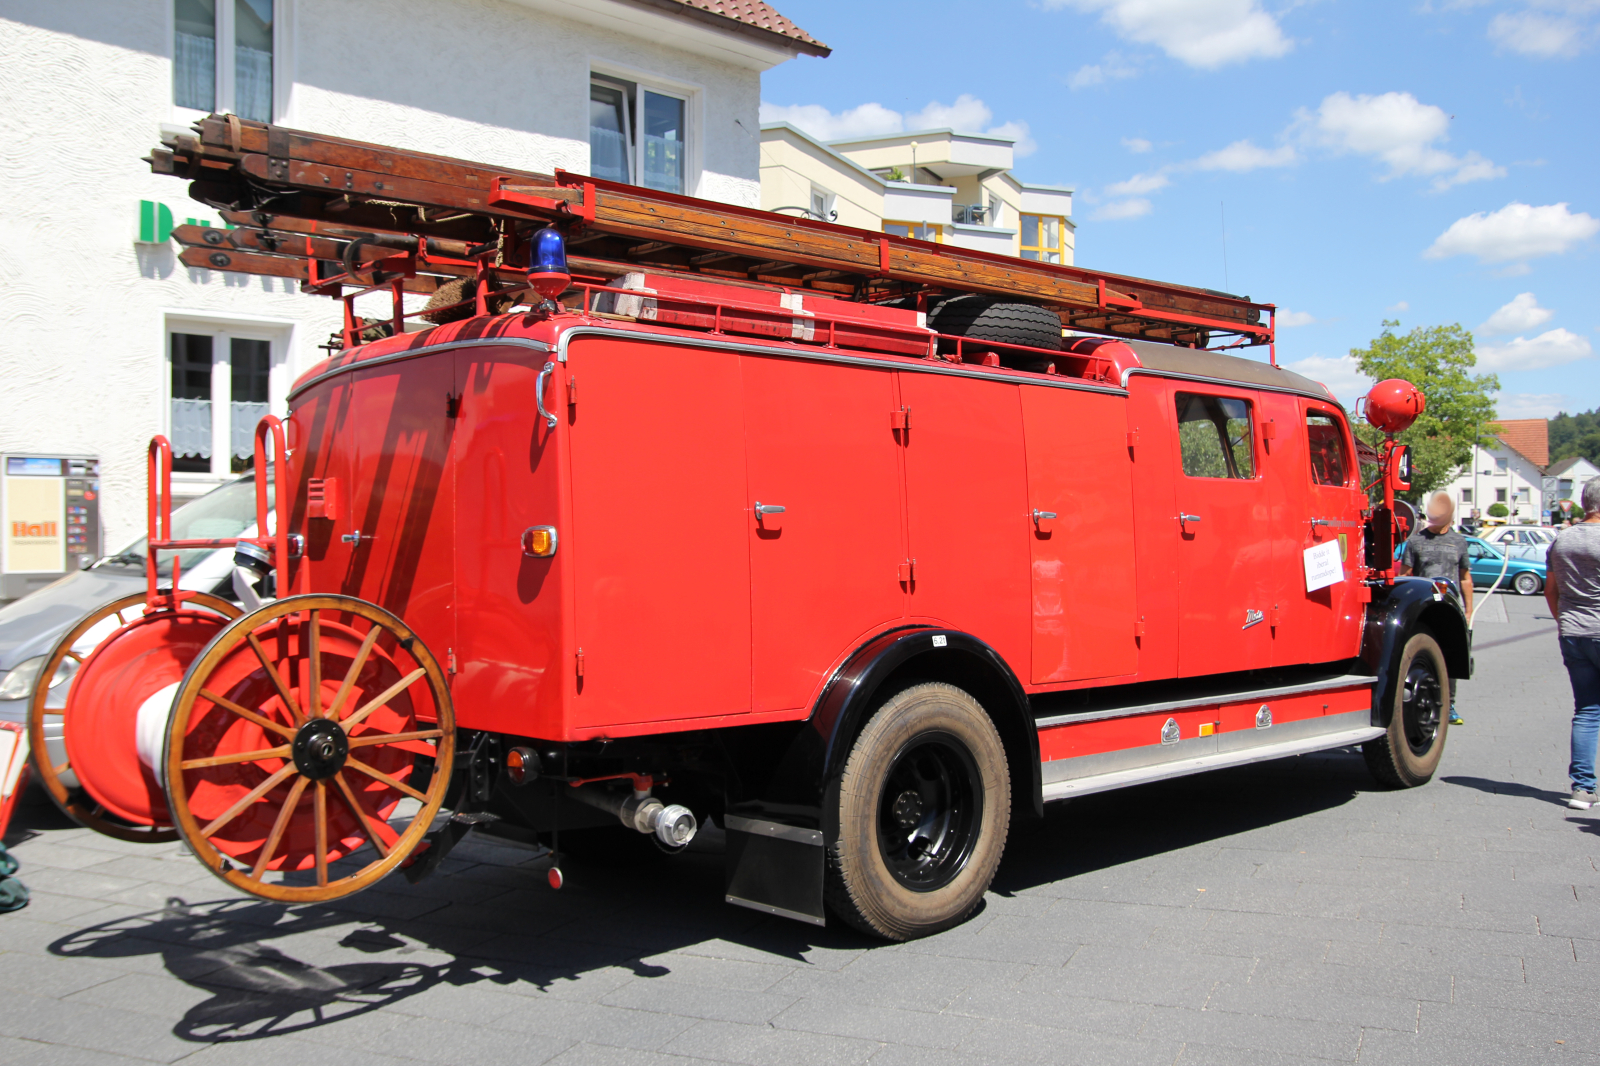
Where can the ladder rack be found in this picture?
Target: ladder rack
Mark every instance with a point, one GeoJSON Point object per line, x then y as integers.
{"type": "Point", "coordinates": [331, 212]}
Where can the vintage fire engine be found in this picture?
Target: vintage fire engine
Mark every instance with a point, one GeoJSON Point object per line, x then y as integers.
{"type": "Point", "coordinates": [675, 511]}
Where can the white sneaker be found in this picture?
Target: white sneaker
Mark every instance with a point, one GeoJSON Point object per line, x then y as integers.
{"type": "Point", "coordinates": [1581, 800]}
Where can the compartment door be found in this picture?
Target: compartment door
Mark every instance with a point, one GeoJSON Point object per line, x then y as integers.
{"type": "Point", "coordinates": [1084, 595]}
{"type": "Point", "coordinates": [825, 571]}
{"type": "Point", "coordinates": [659, 554]}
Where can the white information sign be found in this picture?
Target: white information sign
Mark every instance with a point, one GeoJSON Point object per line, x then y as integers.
{"type": "Point", "coordinates": [1323, 566]}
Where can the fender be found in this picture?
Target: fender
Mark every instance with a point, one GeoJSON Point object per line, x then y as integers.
{"type": "Point", "coordinates": [815, 755]}
{"type": "Point", "coordinates": [1398, 611]}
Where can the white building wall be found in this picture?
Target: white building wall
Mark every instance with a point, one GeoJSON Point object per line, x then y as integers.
{"type": "Point", "coordinates": [87, 84]}
{"type": "Point", "coordinates": [1520, 476]}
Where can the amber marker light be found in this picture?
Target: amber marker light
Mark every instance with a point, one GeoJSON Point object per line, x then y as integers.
{"type": "Point", "coordinates": [539, 541]}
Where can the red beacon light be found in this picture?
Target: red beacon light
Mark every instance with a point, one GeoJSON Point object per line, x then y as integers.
{"type": "Point", "coordinates": [1393, 404]}
{"type": "Point", "coordinates": [547, 264]}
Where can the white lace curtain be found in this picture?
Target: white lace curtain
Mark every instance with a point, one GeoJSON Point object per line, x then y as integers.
{"type": "Point", "coordinates": [242, 427]}
{"type": "Point", "coordinates": [252, 88]}
{"type": "Point", "coordinates": [191, 427]}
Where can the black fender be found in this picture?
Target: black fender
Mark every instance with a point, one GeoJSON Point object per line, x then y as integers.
{"type": "Point", "coordinates": [1395, 613]}
{"type": "Point", "coordinates": [814, 756]}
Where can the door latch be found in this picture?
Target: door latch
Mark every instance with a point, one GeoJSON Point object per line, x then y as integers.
{"type": "Point", "coordinates": [355, 537]}
{"type": "Point", "coordinates": [1042, 520]}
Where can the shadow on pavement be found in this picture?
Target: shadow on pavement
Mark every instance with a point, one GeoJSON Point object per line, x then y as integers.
{"type": "Point", "coordinates": [491, 924]}
{"type": "Point", "coordinates": [1508, 788]}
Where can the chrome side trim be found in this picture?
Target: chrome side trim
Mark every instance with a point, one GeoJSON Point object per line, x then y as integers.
{"type": "Point", "coordinates": [1188, 756]}
{"type": "Point", "coordinates": [823, 355]}
{"type": "Point", "coordinates": [1132, 370]}
{"type": "Point", "coordinates": [779, 912]}
{"type": "Point", "coordinates": [413, 353]}
{"type": "Point", "coordinates": [1248, 695]}
{"type": "Point", "coordinates": [739, 824]}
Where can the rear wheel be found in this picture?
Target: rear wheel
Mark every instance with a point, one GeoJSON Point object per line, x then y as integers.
{"type": "Point", "coordinates": [1527, 583]}
{"type": "Point", "coordinates": [924, 804]}
{"type": "Point", "coordinates": [1408, 754]}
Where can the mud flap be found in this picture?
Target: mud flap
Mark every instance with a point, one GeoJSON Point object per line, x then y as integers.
{"type": "Point", "coordinates": [775, 868]}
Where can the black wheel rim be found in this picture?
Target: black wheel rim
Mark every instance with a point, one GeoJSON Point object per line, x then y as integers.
{"type": "Point", "coordinates": [1423, 703]}
{"type": "Point", "coordinates": [930, 810]}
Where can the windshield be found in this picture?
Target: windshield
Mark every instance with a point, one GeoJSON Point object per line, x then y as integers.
{"type": "Point", "coordinates": [221, 514]}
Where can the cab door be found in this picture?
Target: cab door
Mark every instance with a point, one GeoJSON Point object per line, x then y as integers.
{"type": "Point", "coordinates": [1226, 579]}
{"type": "Point", "coordinates": [1322, 487]}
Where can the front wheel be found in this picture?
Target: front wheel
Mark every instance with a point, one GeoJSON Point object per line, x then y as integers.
{"type": "Point", "coordinates": [924, 804]}
{"type": "Point", "coordinates": [1527, 584]}
{"type": "Point", "coordinates": [1408, 754]}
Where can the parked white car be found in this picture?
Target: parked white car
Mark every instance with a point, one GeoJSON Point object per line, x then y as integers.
{"type": "Point", "coordinates": [1523, 542]}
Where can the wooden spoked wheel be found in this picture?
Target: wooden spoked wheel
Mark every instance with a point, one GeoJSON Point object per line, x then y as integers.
{"type": "Point", "coordinates": [293, 741]}
{"type": "Point", "coordinates": [135, 653]}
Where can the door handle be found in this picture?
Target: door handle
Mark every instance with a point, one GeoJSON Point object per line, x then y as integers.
{"type": "Point", "coordinates": [1042, 520]}
{"type": "Point", "coordinates": [355, 537]}
{"type": "Point", "coordinates": [768, 508]}
{"type": "Point", "coordinates": [538, 393]}
{"type": "Point", "coordinates": [1186, 519]}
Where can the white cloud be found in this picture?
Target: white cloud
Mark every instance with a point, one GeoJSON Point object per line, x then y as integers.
{"type": "Point", "coordinates": [1521, 314]}
{"type": "Point", "coordinates": [1118, 210]}
{"type": "Point", "coordinates": [1112, 68]}
{"type": "Point", "coordinates": [1340, 373]}
{"type": "Point", "coordinates": [1202, 33]}
{"type": "Point", "coordinates": [1555, 347]}
{"type": "Point", "coordinates": [1398, 129]}
{"type": "Point", "coordinates": [1396, 308]}
{"type": "Point", "coordinates": [1287, 319]}
{"type": "Point", "coordinates": [1531, 404]}
{"type": "Point", "coordinates": [1516, 231]}
{"type": "Point", "coordinates": [1242, 156]}
{"type": "Point", "coordinates": [1139, 185]}
{"type": "Point", "coordinates": [1136, 145]}
{"type": "Point", "coordinates": [1535, 34]}
{"type": "Point", "coordinates": [967, 115]}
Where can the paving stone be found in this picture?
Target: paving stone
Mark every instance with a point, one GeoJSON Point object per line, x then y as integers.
{"type": "Point", "coordinates": [759, 1045]}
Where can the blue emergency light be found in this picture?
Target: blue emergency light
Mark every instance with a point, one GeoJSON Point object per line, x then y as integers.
{"type": "Point", "coordinates": [547, 263]}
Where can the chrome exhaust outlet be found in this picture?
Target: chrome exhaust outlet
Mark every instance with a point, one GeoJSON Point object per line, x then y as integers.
{"type": "Point", "coordinates": [672, 824]}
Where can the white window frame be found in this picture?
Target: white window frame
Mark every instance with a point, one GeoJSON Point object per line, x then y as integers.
{"type": "Point", "coordinates": [828, 200]}
{"type": "Point", "coordinates": [693, 97]}
{"type": "Point", "coordinates": [222, 329]}
{"type": "Point", "coordinates": [283, 13]}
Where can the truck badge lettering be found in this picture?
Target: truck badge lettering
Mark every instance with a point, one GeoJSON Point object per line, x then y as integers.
{"type": "Point", "coordinates": [1252, 618]}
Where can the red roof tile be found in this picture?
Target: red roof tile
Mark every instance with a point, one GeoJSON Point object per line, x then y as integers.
{"type": "Point", "coordinates": [1529, 436]}
{"type": "Point", "coordinates": [754, 14]}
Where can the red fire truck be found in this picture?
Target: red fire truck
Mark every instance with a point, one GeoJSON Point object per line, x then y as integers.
{"type": "Point", "coordinates": [673, 511]}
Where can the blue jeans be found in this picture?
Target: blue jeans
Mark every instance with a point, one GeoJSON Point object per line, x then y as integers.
{"type": "Point", "coordinates": [1582, 656]}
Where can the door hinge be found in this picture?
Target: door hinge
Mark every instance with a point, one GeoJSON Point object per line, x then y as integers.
{"type": "Point", "coordinates": [579, 662]}
{"type": "Point", "coordinates": [452, 405]}
{"type": "Point", "coordinates": [1138, 627]}
{"type": "Point", "coordinates": [1272, 617]}
{"type": "Point", "coordinates": [1133, 438]}
{"type": "Point", "coordinates": [1269, 430]}
{"type": "Point", "coordinates": [450, 660]}
{"type": "Point", "coordinates": [900, 419]}
{"type": "Point", "coordinates": [572, 390]}
{"type": "Point", "coordinates": [908, 571]}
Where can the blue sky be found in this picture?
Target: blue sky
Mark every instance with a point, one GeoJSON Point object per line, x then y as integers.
{"type": "Point", "coordinates": [1434, 161]}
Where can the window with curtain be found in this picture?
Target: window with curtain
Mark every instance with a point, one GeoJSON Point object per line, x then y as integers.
{"type": "Point", "coordinates": [610, 132]}
{"type": "Point", "coordinates": [252, 59]}
{"type": "Point", "coordinates": [221, 387]}
{"type": "Point", "coordinates": [201, 76]}
{"type": "Point", "coordinates": [194, 54]}
{"type": "Point", "coordinates": [191, 402]}
{"type": "Point", "coordinates": [663, 142]}
{"type": "Point", "coordinates": [251, 371]}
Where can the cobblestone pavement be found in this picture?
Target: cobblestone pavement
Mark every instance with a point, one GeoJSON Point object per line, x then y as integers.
{"type": "Point", "coordinates": [1287, 912]}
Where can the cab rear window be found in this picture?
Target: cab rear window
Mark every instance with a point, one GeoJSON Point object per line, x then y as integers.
{"type": "Point", "coordinates": [1330, 463]}
{"type": "Point", "coordinates": [1216, 436]}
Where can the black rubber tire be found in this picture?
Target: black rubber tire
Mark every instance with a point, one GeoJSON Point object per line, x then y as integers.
{"type": "Point", "coordinates": [1527, 583]}
{"type": "Point", "coordinates": [988, 318]}
{"type": "Point", "coordinates": [861, 888]}
{"type": "Point", "coordinates": [1421, 708]}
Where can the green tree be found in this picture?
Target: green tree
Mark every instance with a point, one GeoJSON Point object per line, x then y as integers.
{"type": "Point", "coordinates": [1460, 408]}
{"type": "Point", "coordinates": [1575, 435]}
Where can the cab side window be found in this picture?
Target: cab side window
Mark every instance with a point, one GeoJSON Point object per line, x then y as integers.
{"type": "Point", "coordinates": [1216, 436]}
{"type": "Point", "coordinates": [1330, 463]}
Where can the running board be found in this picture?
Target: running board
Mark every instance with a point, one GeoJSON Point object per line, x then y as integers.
{"type": "Point", "coordinates": [1083, 786]}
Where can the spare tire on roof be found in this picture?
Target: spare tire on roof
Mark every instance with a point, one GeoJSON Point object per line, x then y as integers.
{"type": "Point", "coordinates": [989, 318]}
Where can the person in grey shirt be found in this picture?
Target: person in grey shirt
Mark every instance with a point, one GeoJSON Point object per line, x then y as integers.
{"type": "Point", "coordinates": [1437, 551]}
{"type": "Point", "coordinates": [1572, 588]}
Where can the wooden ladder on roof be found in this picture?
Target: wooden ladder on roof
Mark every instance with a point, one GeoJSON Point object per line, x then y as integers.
{"type": "Point", "coordinates": [331, 212]}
